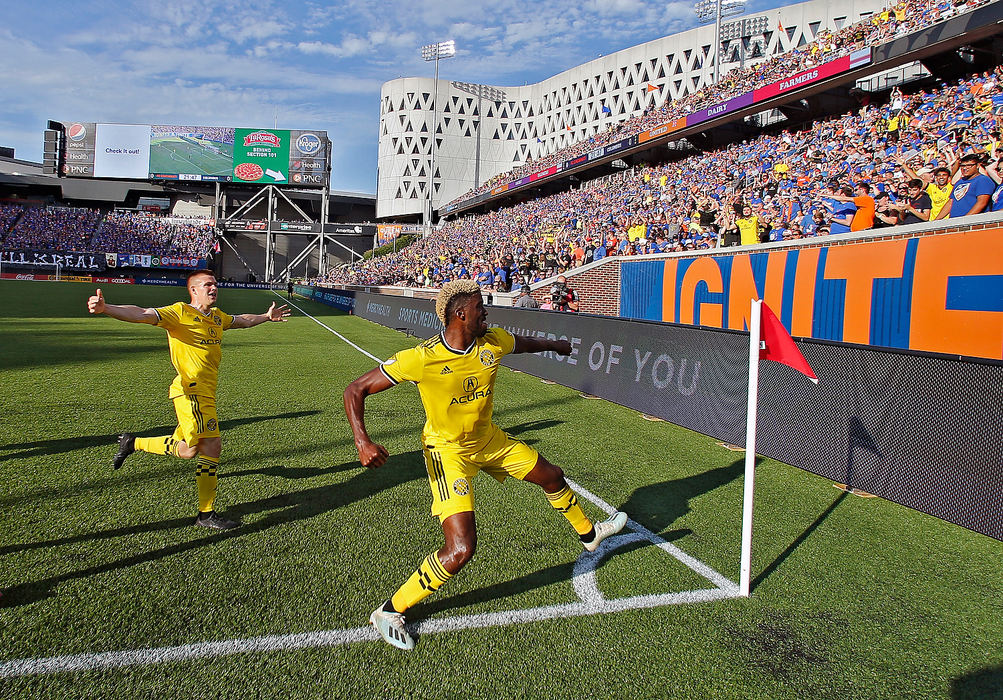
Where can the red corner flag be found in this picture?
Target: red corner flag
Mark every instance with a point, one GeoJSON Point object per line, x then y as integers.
{"type": "Point", "coordinates": [777, 345]}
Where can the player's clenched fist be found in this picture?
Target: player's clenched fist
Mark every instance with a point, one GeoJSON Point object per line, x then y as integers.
{"type": "Point", "coordinates": [372, 455]}
{"type": "Point", "coordinates": [95, 304]}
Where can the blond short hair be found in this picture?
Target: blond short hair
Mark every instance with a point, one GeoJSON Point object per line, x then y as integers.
{"type": "Point", "coordinates": [451, 290]}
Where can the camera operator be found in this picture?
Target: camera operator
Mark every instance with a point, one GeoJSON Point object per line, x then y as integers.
{"type": "Point", "coordinates": [563, 297]}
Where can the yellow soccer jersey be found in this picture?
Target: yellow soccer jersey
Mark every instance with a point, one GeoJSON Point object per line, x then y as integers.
{"type": "Point", "coordinates": [456, 386]}
{"type": "Point", "coordinates": [194, 339]}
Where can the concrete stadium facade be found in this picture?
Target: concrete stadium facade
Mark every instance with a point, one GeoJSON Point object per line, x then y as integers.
{"type": "Point", "coordinates": [486, 130]}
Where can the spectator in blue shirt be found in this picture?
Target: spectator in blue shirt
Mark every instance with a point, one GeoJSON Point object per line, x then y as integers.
{"type": "Point", "coordinates": [971, 194]}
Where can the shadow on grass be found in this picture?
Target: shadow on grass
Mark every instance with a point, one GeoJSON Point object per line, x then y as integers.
{"type": "Point", "coordinates": [982, 684]}
{"type": "Point", "coordinates": [659, 505]}
{"type": "Point", "coordinates": [775, 564]}
{"type": "Point", "coordinates": [521, 428]}
{"type": "Point", "coordinates": [655, 507]}
{"type": "Point", "coordinates": [49, 447]}
{"type": "Point", "coordinates": [284, 508]}
{"type": "Point", "coordinates": [526, 583]}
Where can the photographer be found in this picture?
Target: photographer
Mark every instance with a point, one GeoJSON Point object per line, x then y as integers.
{"type": "Point", "coordinates": [563, 297]}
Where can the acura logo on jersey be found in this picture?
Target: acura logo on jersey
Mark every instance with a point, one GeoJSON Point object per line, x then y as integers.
{"type": "Point", "coordinates": [470, 384]}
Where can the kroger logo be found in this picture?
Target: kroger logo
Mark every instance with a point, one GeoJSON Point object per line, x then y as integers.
{"type": "Point", "coordinates": [308, 144]}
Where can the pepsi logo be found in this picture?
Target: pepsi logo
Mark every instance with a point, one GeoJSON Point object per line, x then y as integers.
{"type": "Point", "coordinates": [76, 132]}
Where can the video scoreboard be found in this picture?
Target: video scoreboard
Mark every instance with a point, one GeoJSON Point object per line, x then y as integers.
{"type": "Point", "coordinates": [297, 158]}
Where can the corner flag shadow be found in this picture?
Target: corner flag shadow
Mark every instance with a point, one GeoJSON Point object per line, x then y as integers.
{"type": "Point", "coordinates": [859, 439]}
{"type": "Point", "coordinates": [57, 446]}
{"type": "Point", "coordinates": [797, 542]}
{"type": "Point", "coordinates": [283, 508]}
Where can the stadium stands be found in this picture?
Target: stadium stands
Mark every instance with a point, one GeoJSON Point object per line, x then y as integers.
{"type": "Point", "coordinates": [788, 182]}
{"type": "Point", "coordinates": [896, 20]}
{"type": "Point", "coordinates": [89, 230]}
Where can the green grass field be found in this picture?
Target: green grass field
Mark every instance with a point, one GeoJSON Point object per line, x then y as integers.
{"type": "Point", "coordinates": [175, 155]}
{"type": "Point", "coordinates": [852, 598]}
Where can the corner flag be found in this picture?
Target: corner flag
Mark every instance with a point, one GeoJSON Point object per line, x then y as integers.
{"type": "Point", "coordinates": [768, 340]}
{"type": "Point", "coordinates": [776, 344]}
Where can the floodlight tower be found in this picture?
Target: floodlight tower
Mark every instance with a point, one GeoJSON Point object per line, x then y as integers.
{"type": "Point", "coordinates": [433, 52]}
{"type": "Point", "coordinates": [481, 91]}
{"type": "Point", "coordinates": [714, 11]}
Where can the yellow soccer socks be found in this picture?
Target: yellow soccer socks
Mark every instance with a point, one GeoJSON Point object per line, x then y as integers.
{"type": "Point", "coordinates": [423, 583]}
{"type": "Point", "coordinates": [566, 503]}
{"type": "Point", "coordinates": [205, 478]}
{"type": "Point", "coordinates": [162, 445]}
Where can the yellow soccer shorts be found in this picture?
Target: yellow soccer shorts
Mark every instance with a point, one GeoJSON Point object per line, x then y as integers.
{"type": "Point", "coordinates": [196, 418]}
{"type": "Point", "coordinates": [451, 470]}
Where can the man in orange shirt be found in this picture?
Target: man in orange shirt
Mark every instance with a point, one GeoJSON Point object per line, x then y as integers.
{"type": "Point", "coordinates": [863, 219]}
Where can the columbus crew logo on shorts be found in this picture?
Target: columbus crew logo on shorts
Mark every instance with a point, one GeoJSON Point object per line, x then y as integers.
{"type": "Point", "coordinates": [211, 424]}
{"type": "Point", "coordinates": [461, 487]}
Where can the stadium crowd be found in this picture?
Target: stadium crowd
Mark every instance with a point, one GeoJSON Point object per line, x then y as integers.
{"type": "Point", "coordinates": [90, 230]}
{"type": "Point", "coordinates": [894, 21]}
{"type": "Point", "coordinates": [882, 165]}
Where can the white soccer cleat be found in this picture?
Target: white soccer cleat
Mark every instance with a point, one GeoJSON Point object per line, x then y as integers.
{"type": "Point", "coordinates": [391, 628]}
{"type": "Point", "coordinates": [610, 526]}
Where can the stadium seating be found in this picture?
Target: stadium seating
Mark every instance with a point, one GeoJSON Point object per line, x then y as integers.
{"type": "Point", "coordinates": [896, 20]}
{"type": "Point", "coordinates": [90, 230]}
{"type": "Point", "coordinates": [786, 179]}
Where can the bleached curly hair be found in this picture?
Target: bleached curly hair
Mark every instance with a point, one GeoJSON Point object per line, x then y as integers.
{"type": "Point", "coordinates": [451, 291]}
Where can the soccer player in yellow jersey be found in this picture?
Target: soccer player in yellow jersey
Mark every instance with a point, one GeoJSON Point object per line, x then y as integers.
{"type": "Point", "coordinates": [455, 373]}
{"type": "Point", "coordinates": [194, 336]}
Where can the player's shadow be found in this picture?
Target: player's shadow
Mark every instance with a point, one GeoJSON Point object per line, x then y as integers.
{"type": "Point", "coordinates": [657, 506]}
{"type": "Point", "coordinates": [523, 584]}
{"type": "Point", "coordinates": [984, 683]}
{"type": "Point", "coordinates": [521, 428]}
{"type": "Point", "coordinates": [283, 508]}
{"type": "Point", "coordinates": [35, 448]}
{"type": "Point", "coordinates": [283, 472]}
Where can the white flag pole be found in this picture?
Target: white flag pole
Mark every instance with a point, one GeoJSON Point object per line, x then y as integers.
{"type": "Point", "coordinates": [755, 322]}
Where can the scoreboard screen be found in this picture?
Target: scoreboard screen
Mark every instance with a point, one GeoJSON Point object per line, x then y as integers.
{"type": "Point", "coordinates": [195, 153]}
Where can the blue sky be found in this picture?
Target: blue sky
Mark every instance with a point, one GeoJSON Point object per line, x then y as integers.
{"type": "Point", "coordinates": [313, 65]}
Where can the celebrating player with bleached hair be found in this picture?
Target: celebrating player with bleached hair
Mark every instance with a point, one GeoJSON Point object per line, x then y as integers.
{"type": "Point", "coordinates": [194, 336]}
{"type": "Point", "coordinates": [455, 373]}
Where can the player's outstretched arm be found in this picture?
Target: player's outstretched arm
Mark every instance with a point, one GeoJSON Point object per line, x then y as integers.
{"type": "Point", "coordinates": [124, 312]}
{"type": "Point", "coordinates": [371, 454]}
{"type": "Point", "coordinates": [274, 313]}
{"type": "Point", "coordinates": [527, 344]}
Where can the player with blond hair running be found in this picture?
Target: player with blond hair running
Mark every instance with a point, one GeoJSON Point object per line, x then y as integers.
{"type": "Point", "coordinates": [194, 336]}
{"type": "Point", "coordinates": [455, 373]}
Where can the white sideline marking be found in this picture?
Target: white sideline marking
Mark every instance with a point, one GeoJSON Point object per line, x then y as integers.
{"type": "Point", "coordinates": [326, 327]}
{"type": "Point", "coordinates": [591, 602]}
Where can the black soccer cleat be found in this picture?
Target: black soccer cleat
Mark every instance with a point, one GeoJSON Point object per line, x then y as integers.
{"type": "Point", "coordinates": [214, 521]}
{"type": "Point", "coordinates": [126, 446]}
